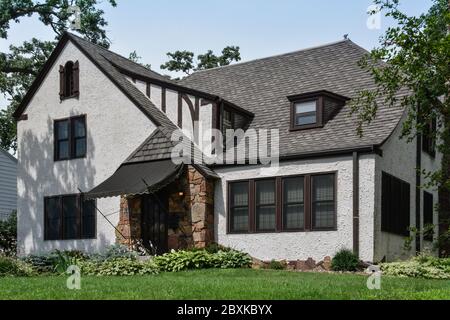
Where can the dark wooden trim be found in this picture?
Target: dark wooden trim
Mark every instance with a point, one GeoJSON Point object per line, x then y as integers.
{"type": "Point", "coordinates": [23, 117]}
{"type": "Point", "coordinates": [148, 91]}
{"type": "Point", "coordinates": [196, 118]}
{"type": "Point", "coordinates": [180, 111]}
{"type": "Point", "coordinates": [319, 114]}
{"type": "Point", "coordinates": [325, 93]}
{"type": "Point", "coordinates": [279, 203]}
{"type": "Point", "coordinates": [163, 99]}
{"type": "Point", "coordinates": [356, 203]}
{"type": "Point", "coordinates": [418, 189]}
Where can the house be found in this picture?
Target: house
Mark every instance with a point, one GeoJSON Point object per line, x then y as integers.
{"type": "Point", "coordinates": [8, 184]}
{"type": "Point", "coordinates": [99, 164]}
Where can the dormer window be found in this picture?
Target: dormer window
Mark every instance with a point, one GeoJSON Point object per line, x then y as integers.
{"type": "Point", "coordinates": [314, 109]}
{"type": "Point", "coordinates": [69, 80]}
{"type": "Point", "coordinates": [306, 112]}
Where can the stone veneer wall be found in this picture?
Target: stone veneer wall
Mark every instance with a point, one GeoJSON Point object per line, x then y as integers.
{"type": "Point", "coordinates": [190, 214]}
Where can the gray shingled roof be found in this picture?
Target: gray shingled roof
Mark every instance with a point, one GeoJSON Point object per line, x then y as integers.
{"type": "Point", "coordinates": [262, 87]}
{"type": "Point", "coordinates": [101, 57]}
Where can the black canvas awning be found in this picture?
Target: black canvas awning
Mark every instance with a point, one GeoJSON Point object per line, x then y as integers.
{"type": "Point", "coordinates": [137, 178]}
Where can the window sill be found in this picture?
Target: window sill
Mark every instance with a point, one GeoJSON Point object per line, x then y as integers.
{"type": "Point", "coordinates": [68, 159]}
{"type": "Point", "coordinates": [75, 96]}
{"type": "Point", "coordinates": [282, 231]}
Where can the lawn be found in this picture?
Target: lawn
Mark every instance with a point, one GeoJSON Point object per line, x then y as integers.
{"type": "Point", "coordinates": [225, 284]}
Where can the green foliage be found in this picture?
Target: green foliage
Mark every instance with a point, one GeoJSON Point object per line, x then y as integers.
{"type": "Point", "coordinates": [21, 63]}
{"type": "Point", "coordinates": [10, 266]}
{"type": "Point", "coordinates": [345, 260]}
{"type": "Point", "coordinates": [276, 265]}
{"type": "Point", "coordinates": [184, 60]}
{"type": "Point", "coordinates": [54, 262]}
{"type": "Point", "coordinates": [8, 235]}
{"type": "Point", "coordinates": [419, 267]}
{"type": "Point", "coordinates": [113, 252]}
{"type": "Point", "coordinates": [201, 259]}
{"type": "Point", "coordinates": [117, 267]}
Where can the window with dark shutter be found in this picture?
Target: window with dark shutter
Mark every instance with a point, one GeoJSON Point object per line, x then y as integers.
{"type": "Point", "coordinates": [429, 138]}
{"type": "Point", "coordinates": [69, 217]}
{"type": "Point", "coordinates": [428, 208]}
{"type": "Point", "coordinates": [69, 80]}
{"type": "Point", "coordinates": [70, 138]}
{"type": "Point", "coordinates": [395, 205]}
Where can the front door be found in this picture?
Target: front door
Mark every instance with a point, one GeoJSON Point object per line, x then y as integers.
{"type": "Point", "coordinates": [154, 223]}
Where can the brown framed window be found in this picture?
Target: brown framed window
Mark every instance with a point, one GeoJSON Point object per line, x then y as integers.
{"type": "Point", "coordinates": [323, 201]}
{"type": "Point", "coordinates": [69, 80]}
{"type": "Point", "coordinates": [293, 203]}
{"type": "Point", "coordinates": [428, 208]}
{"type": "Point", "coordinates": [265, 205]}
{"type": "Point", "coordinates": [395, 205]}
{"type": "Point", "coordinates": [239, 207]}
{"type": "Point", "coordinates": [70, 138]}
{"type": "Point", "coordinates": [305, 113]}
{"type": "Point", "coordinates": [429, 138]}
{"type": "Point", "coordinates": [69, 217]}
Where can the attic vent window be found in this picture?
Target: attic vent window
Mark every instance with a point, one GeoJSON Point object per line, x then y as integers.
{"type": "Point", "coordinates": [314, 109]}
{"type": "Point", "coordinates": [69, 80]}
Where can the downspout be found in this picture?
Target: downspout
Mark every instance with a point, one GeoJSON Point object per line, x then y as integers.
{"type": "Point", "coordinates": [356, 203]}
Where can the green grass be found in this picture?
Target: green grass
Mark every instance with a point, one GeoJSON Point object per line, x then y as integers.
{"type": "Point", "coordinates": [225, 284]}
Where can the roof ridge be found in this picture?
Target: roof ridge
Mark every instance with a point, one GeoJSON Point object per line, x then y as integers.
{"type": "Point", "coordinates": [114, 53]}
{"type": "Point", "coordinates": [276, 55]}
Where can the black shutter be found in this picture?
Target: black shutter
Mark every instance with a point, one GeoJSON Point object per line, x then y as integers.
{"type": "Point", "coordinates": [61, 82]}
{"type": "Point", "coordinates": [76, 79]}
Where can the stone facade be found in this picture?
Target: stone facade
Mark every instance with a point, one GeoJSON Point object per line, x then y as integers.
{"type": "Point", "coordinates": [297, 265]}
{"type": "Point", "coordinates": [190, 216]}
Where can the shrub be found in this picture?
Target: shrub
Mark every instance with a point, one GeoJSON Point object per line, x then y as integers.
{"type": "Point", "coordinates": [201, 259]}
{"type": "Point", "coordinates": [55, 261]}
{"type": "Point", "coordinates": [276, 265]}
{"type": "Point", "coordinates": [345, 260]}
{"type": "Point", "coordinates": [419, 267]}
{"type": "Point", "coordinates": [10, 266]}
{"type": "Point", "coordinates": [114, 252]}
{"type": "Point", "coordinates": [117, 267]}
{"type": "Point", "coordinates": [8, 235]}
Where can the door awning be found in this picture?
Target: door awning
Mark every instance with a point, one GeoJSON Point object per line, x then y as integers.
{"type": "Point", "coordinates": [137, 178]}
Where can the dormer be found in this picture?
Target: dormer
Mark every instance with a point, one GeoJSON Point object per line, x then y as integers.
{"type": "Point", "coordinates": [314, 109]}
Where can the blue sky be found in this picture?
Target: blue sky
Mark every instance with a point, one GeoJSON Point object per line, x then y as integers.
{"type": "Point", "coordinates": [260, 27]}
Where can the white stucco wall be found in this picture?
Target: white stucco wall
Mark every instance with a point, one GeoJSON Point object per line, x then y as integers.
{"type": "Point", "coordinates": [302, 245]}
{"type": "Point", "coordinates": [398, 159]}
{"type": "Point", "coordinates": [115, 127]}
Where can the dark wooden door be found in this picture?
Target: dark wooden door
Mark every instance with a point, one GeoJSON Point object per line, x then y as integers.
{"type": "Point", "coordinates": [154, 223]}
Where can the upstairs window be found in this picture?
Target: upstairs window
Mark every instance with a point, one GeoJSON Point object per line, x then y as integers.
{"type": "Point", "coordinates": [429, 138]}
{"type": "Point", "coordinates": [228, 120]}
{"type": "Point", "coordinates": [305, 113]}
{"type": "Point", "coordinates": [70, 138]}
{"type": "Point", "coordinates": [69, 80]}
{"type": "Point", "coordinates": [314, 109]}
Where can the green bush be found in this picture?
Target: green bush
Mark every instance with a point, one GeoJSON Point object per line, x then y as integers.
{"type": "Point", "coordinates": [276, 265]}
{"type": "Point", "coordinates": [8, 235]}
{"type": "Point", "coordinates": [10, 266]}
{"type": "Point", "coordinates": [419, 267]}
{"type": "Point", "coordinates": [55, 261]}
{"type": "Point", "coordinates": [117, 267]}
{"type": "Point", "coordinates": [345, 260]}
{"type": "Point", "coordinates": [114, 252]}
{"type": "Point", "coordinates": [201, 259]}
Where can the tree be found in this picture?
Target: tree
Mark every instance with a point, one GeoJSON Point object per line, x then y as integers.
{"type": "Point", "coordinates": [133, 56]}
{"type": "Point", "coordinates": [184, 60]}
{"type": "Point", "coordinates": [20, 65]}
{"type": "Point", "coordinates": [413, 57]}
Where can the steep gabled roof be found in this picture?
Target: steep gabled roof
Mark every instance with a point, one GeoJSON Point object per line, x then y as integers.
{"type": "Point", "coordinates": [263, 86]}
{"type": "Point", "coordinates": [100, 57]}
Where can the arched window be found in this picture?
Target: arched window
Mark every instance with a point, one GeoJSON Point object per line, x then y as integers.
{"type": "Point", "coordinates": [69, 80]}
